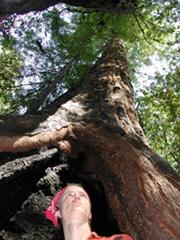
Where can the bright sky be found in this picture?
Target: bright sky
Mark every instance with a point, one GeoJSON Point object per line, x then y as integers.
{"type": "Point", "coordinates": [146, 73]}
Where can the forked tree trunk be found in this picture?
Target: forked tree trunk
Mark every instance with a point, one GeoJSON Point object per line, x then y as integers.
{"type": "Point", "coordinates": [142, 191]}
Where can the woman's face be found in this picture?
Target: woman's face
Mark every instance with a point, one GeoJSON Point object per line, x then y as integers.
{"type": "Point", "coordinates": [74, 205]}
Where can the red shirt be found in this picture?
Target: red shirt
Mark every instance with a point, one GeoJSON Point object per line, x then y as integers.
{"type": "Point", "coordinates": [94, 236]}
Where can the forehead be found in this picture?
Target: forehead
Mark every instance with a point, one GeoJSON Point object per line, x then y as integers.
{"type": "Point", "coordinates": [74, 188]}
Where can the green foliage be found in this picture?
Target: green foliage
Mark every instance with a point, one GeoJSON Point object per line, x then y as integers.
{"type": "Point", "coordinates": [9, 71]}
{"type": "Point", "coordinates": [159, 104]}
{"type": "Point", "coordinates": [159, 113]}
{"type": "Point", "coordinates": [157, 23]}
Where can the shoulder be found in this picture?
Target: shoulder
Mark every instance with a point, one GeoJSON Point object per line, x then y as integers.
{"type": "Point", "coordinates": [94, 236]}
{"type": "Point", "coordinates": [120, 237]}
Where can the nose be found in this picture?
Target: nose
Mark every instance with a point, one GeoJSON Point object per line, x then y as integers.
{"type": "Point", "coordinates": [76, 196]}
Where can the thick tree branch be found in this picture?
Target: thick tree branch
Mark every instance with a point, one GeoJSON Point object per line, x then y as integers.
{"type": "Point", "coordinates": [13, 125]}
{"type": "Point", "coordinates": [36, 122]}
{"type": "Point", "coordinates": [26, 143]}
{"type": "Point", "coordinates": [21, 6]}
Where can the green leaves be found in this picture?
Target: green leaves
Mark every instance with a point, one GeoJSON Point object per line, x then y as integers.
{"type": "Point", "coordinates": [159, 113]}
{"type": "Point", "coordinates": [9, 70]}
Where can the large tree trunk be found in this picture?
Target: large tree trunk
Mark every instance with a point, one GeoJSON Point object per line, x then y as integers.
{"type": "Point", "coordinates": [100, 121]}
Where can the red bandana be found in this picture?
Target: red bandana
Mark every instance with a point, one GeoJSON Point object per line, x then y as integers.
{"type": "Point", "coordinates": [51, 211]}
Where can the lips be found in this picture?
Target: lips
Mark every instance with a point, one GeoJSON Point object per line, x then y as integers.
{"type": "Point", "coordinates": [76, 202]}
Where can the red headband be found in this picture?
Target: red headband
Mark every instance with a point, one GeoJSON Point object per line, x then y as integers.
{"type": "Point", "coordinates": [51, 211]}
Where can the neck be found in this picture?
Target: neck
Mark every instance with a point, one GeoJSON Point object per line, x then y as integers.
{"type": "Point", "coordinates": [76, 231]}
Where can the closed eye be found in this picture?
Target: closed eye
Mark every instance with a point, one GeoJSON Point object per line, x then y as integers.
{"type": "Point", "coordinates": [82, 194]}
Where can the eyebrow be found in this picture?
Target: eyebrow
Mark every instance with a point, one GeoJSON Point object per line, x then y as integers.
{"type": "Point", "coordinates": [70, 191]}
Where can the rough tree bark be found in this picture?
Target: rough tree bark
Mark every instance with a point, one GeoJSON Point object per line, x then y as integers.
{"type": "Point", "coordinates": [21, 6]}
{"type": "Point", "coordinates": [100, 121]}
